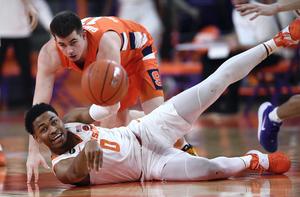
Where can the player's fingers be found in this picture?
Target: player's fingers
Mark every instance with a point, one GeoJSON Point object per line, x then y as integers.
{"type": "Point", "coordinates": [98, 161]}
{"type": "Point", "coordinates": [34, 21]}
{"type": "Point", "coordinates": [29, 174]}
{"type": "Point", "coordinates": [93, 157]}
{"type": "Point", "coordinates": [90, 160]}
{"type": "Point", "coordinates": [87, 161]}
{"type": "Point", "coordinates": [36, 174]}
{"type": "Point", "coordinates": [241, 7]}
{"type": "Point", "coordinates": [254, 17]}
{"type": "Point", "coordinates": [101, 159]}
{"type": "Point", "coordinates": [45, 165]}
{"type": "Point", "coordinates": [247, 12]}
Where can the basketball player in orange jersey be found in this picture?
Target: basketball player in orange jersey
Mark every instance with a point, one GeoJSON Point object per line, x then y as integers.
{"type": "Point", "coordinates": [83, 154]}
{"type": "Point", "coordinates": [77, 43]}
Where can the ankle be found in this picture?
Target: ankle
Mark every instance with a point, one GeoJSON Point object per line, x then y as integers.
{"type": "Point", "coordinates": [273, 116]}
{"type": "Point", "coordinates": [271, 46]}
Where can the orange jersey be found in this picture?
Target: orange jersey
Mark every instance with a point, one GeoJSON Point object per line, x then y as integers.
{"type": "Point", "coordinates": [136, 49]}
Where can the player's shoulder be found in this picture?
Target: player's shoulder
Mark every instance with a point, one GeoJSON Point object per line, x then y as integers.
{"type": "Point", "coordinates": [49, 46]}
{"type": "Point", "coordinates": [49, 53]}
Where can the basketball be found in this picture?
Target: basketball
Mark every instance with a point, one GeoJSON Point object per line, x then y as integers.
{"type": "Point", "coordinates": [105, 82]}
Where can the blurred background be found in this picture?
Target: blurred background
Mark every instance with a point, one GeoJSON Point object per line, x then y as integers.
{"type": "Point", "coordinates": [193, 38]}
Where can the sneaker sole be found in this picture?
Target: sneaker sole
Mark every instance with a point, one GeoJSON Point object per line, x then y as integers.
{"type": "Point", "coordinates": [261, 110]}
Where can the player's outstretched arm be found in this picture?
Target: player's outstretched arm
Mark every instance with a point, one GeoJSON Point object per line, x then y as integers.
{"type": "Point", "coordinates": [76, 170]}
{"type": "Point", "coordinates": [48, 64]}
{"type": "Point", "coordinates": [109, 48]}
{"type": "Point", "coordinates": [268, 9]}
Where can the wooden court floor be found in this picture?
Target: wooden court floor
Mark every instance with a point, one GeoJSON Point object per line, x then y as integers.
{"type": "Point", "coordinates": [214, 135]}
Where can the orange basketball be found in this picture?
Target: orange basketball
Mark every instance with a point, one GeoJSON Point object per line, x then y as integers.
{"type": "Point", "coordinates": [105, 82]}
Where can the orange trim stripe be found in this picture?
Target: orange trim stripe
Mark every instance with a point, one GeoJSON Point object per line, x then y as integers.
{"type": "Point", "coordinates": [53, 157]}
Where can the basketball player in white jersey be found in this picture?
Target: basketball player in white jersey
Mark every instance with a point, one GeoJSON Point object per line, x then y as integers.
{"type": "Point", "coordinates": [83, 154]}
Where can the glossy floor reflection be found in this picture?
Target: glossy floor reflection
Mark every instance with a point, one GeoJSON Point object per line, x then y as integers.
{"type": "Point", "coordinates": [213, 135]}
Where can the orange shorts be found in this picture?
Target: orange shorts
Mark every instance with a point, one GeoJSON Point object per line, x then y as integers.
{"type": "Point", "coordinates": [144, 84]}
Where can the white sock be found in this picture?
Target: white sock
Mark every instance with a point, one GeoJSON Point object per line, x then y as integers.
{"type": "Point", "coordinates": [274, 117]}
{"type": "Point", "coordinates": [184, 143]}
{"type": "Point", "coordinates": [246, 159]}
{"type": "Point", "coordinates": [271, 46]}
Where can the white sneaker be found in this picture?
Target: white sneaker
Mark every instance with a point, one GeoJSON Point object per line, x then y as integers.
{"type": "Point", "coordinates": [288, 36]}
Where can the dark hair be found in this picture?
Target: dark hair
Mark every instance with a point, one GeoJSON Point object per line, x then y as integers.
{"type": "Point", "coordinates": [64, 23]}
{"type": "Point", "coordinates": [34, 112]}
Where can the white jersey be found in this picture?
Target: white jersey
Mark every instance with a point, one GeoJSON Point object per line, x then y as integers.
{"type": "Point", "coordinates": [124, 159]}
{"type": "Point", "coordinates": [121, 152]}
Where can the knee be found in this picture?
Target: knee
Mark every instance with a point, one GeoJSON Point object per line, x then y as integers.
{"type": "Point", "coordinates": [214, 86]}
{"type": "Point", "coordinates": [209, 171]}
{"type": "Point", "coordinates": [295, 100]}
{"type": "Point", "coordinates": [215, 170]}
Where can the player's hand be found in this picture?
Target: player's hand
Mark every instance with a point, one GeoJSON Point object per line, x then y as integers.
{"type": "Point", "coordinates": [259, 9]}
{"type": "Point", "coordinates": [94, 155]}
{"type": "Point", "coordinates": [33, 161]}
{"type": "Point", "coordinates": [31, 15]}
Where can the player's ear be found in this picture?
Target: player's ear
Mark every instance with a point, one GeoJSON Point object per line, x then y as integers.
{"type": "Point", "coordinates": [37, 139]}
{"type": "Point", "coordinates": [84, 34]}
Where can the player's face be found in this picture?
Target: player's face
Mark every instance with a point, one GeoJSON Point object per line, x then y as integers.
{"type": "Point", "coordinates": [50, 130]}
{"type": "Point", "coordinates": [72, 46]}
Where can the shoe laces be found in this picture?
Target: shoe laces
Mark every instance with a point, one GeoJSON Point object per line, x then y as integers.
{"type": "Point", "coordinates": [254, 163]}
{"type": "Point", "coordinates": [286, 42]}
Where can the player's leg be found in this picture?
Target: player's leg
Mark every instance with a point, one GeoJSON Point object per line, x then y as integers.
{"type": "Point", "coordinates": [269, 117]}
{"type": "Point", "coordinates": [192, 102]}
{"type": "Point", "coordinates": [151, 99]}
{"type": "Point", "coordinates": [189, 168]}
{"type": "Point", "coordinates": [23, 56]}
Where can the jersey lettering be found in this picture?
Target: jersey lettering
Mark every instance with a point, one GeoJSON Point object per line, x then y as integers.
{"type": "Point", "coordinates": [155, 76]}
{"type": "Point", "coordinates": [114, 146]}
{"type": "Point", "coordinates": [95, 133]}
{"type": "Point", "coordinates": [95, 19]}
{"type": "Point", "coordinates": [91, 28]}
